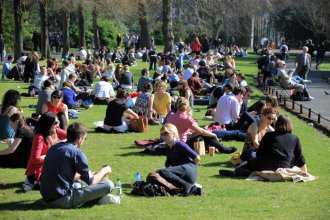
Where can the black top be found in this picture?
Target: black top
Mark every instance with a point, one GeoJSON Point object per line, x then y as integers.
{"type": "Point", "coordinates": [278, 150]}
{"type": "Point", "coordinates": [126, 78]}
{"type": "Point", "coordinates": [20, 157]}
{"type": "Point", "coordinates": [114, 113]}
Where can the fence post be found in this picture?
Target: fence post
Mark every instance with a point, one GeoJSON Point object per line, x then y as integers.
{"type": "Point", "coordinates": [276, 93]}
{"type": "Point", "coordinates": [319, 118]}
{"type": "Point", "coordinates": [293, 102]}
{"type": "Point", "coordinates": [284, 101]}
{"type": "Point", "coordinates": [309, 113]}
{"type": "Point", "coordinates": [280, 99]}
{"type": "Point", "coordinates": [301, 108]}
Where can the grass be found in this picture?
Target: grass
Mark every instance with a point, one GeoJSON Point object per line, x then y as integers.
{"type": "Point", "coordinates": [225, 198]}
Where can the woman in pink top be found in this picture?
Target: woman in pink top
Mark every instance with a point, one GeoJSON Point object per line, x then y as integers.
{"type": "Point", "coordinates": [186, 124]}
{"type": "Point", "coordinates": [47, 133]}
{"type": "Point", "coordinates": [57, 107]}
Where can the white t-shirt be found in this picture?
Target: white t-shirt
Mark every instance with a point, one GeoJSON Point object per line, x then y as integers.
{"type": "Point", "coordinates": [228, 109]}
{"type": "Point", "coordinates": [188, 73]}
{"type": "Point", "coordinates": [104, 90]}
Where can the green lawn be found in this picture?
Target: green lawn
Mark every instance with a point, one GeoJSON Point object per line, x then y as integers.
{"type": "Point", "coordinates": [225, 198]}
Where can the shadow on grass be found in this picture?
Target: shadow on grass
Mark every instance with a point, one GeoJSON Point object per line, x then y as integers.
{"type": "Point", "coordinates": [133, 147]}
{"type": "Point", "coordinates": [23, 205]}
{"type": "Point", "coordinates": [136, 154]}
{"type": "Point", "coordinates": [4, 186]}
{"type": "Point", "coordinates": [226, 164]}
{"type": "Point", "coordinates": [218, 176]}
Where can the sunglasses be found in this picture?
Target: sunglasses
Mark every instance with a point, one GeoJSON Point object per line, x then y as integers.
{"type": "Point", "coordinates": [56, 97]}
{"type": "Point", "coordinates": [164, 134]}
{"type": "Point", "coordinates": [270, 118]}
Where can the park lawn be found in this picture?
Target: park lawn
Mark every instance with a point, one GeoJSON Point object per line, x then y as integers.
{"type": "Point", "coordinates": [224, 198]}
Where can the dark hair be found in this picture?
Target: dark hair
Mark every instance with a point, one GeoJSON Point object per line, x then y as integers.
{"type": "Point", "coordinates": [283, 124]}
{"type": "Point", "coordinates": [10, 98]}
{"type": "Point", "coordinates": [148, 87]}
{"type": "Point", "coordinates": [248, 89]}
{"type": "Point", "coordinates": [144, 72]}
{"type": "Point", "coordinates": [57, 93]}
{"type": "Point", "coordinates": [237, 90]}
{"type": "Point", "coordinates": [18, 117]}
{"type": "Point", "coordinates": [75, 131]}
{"type": "Point", "coordinates": [122, 94]}
{"type": "Point", "coordinates": [45, 123]}
{"type": "Point", "coordinates": [10, 57]}
{"type": "Point", "coordinates": [65, 63]}
{"type": "Point", "coordinates": [66, 84]}
{"type": "Point", "coordinates": [195, 74]}
{"type": "Point", "coordinates": [47, 83]}
{"type": "Point", "coordinates": [272, 100]}
{"type": "Point", "coordinates": [228, 86]}
{"type": "Point", "coordinates": [267, 111]}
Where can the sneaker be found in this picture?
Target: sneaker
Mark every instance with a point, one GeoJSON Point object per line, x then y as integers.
{"type": "Point", "coordinates": [199, 189]}
{"type": "Point", "coordinates": [307, 81]}
{"type": "Point", "coordinates": [229, 150]}
{"type": "Point", "coordinates": [109, 199]}
{"type": "Point", "coordinates": [311, 97]}
{"type": "Point", "coordinates": [227, 173]}
{"type": "Point", "coordinates": [27, 187]}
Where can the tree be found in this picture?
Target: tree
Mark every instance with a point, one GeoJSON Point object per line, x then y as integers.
{"type": "Point", "coordinates": [167, 26]}
{"type": "Point", "coordinates": [18, 13]}
{"type": "Point", "coordinates": [45, 50]}
{"type": "Point", "coordinates": [81, 24]}
{"type": "Point", "coordinates": [1, 9]}
{"type": "Point", "coordinates": [144, 35]}
{"type": "Point", "coordinates": [65, 30]}
{"type": "Point", "coordinates": [96, 30]}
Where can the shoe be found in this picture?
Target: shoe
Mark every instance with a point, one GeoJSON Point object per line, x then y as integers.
{"type": "Point", "coordinates": [227, 173]}
{"type": "Point", "coordinates": [311, 97]}
{"type": "Point", "coordinates": [27, 186]}
{"type": "Point", "coordinates": [229, 150]}
{"type": "Point", "coordinates": [307, 81]}
{"type": "Point", "coordinates": [109, 199]}
{"type": "Point", "coordinates": [199, 189]}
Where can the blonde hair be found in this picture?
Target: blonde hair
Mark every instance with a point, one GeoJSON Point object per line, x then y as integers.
{"type": "Point", "coordinates": [182, 104]}
{"type": "Point", "coordinates": [160, 83]}
{"type": "Point", "coordinates": [171, 129]}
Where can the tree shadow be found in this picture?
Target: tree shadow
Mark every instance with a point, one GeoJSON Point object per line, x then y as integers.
{"type": "Point", "coordinates": [23, 205]}
{"type": "Point", "coordinates": [133, 147]}
{"type": "Point", "coordinates": [226, 164]}
{"type": "Point", "coordinates": [227, 177]}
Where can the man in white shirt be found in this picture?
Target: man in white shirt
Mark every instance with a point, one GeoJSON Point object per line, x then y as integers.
{"type": "Point", "coordinates": [103, 92]}
{"type": "Point", "coordinates": [228, 108]}
{"type": "Point", "coordinates": [188, 72]}
{"type": "Point", "coordinates": [303, 63]}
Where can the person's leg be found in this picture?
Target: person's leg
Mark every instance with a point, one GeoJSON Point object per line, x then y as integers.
{"type": "Point", "coordinates": [230, 135]}
{"type": "Point", "coordinates": [62, 119]}
{"type": "Point", "coordinates": [244, 118]}
{"type": "Point", "coordinates": [122, 128]}
{"type": "Point", "coordinates": [211, 141]}
{"type": "Point", "coordinates": [183, 176]}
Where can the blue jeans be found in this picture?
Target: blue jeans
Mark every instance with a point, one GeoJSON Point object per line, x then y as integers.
{"type": "Point", "coordinates": [230, 135]}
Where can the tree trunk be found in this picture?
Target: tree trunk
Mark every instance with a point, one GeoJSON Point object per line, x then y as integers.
{"type": "Point", "coordinates": [45, 50]}
{"type": "Point", "coordinates": [65, 31]}
{"type": "Point", "coordinates": [1, 9]}
{"type": "Point", "coordinates": [18, 12]}
{"type": "Point", "coordinates": [144, 35]}
{"type": "Point", "coordinates": [96, 30]}
{"type": "Point", "coordinates": [167, 26]}
{"type": "Point", "coordinates": [81, 23]}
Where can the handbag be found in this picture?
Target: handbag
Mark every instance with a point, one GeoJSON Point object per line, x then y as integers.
{"type": "Point", "coordinates": [199, 146]}
{"type": "Point", "coordinates": [139, 125]}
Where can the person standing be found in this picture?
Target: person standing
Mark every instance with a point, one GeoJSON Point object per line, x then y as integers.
{"type": "Point", "coordinates": [58, 178]}
{"type": "Point", "coordinates": [118, 39]}
{"type": "Point", "coordinates": [303, 63]}
{"type": "Point", "coordinates": [7, 66]}
{"type": "Point", "coordinates": [2, 47]}
{"type": "Point", "coordinates": [321, 49]}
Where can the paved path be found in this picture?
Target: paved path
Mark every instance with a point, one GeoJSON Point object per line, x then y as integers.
{"type": "Point", "coordinates": [321, 103]}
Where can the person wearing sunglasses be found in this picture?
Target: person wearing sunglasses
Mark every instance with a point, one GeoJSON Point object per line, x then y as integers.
{"type": "Point", "coordinates": [181, 161]}
{"type": "Point", "coordinates": [277, 149]}
{"type": "Point", "coordinates": [256, 131]}
{"type": "Point", "coordinates": [47, 133]}
{"type": "Point", "coordinates": [56, 106]}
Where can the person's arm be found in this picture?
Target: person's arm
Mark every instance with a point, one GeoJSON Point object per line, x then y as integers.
{"type": "Point", "coordinates": [44, 108]}
{"type": "Point", "coordinates": [66, 113]}
{"type": "Point", "coordinates": [131, 113]}
{"type": "Point", "coordinates": [197, 159]}
{"type": "Point", "coordinates": [11, 148]}
{"type": "Point", "coordinates": [202, 131]}
{"type": "Point", "coordinates": [150, 106]}
{"type": "Point", "coordinates": [253, 131]}
{"type": "Point", "coordinates": [101, 174]}
{"type": "Point", "coordinates": [37, 146]}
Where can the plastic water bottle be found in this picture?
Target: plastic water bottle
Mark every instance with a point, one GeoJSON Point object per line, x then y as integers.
{"type": "Point", "coordinates": [118, 187]}
{"type": "Point", "coordinates": [137, 177]}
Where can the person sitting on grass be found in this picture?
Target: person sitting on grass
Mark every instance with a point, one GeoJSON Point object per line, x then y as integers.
{"type": "Point", "coordinates": [116, 110]}
{"type": "Point", "coordinates": [47, 133]}
{"type": "Point", "coordinates": [181, 161]}
{"type": "Point", "coordinates": [57, 107]}
{"type": "Point", "coordinates": [58, 179]}
{"type": "Point", "coordinates": [277, 149]}
{"type": "Point", "coordinates": [19, 148]}
{"type": "Point", "coordinates": [256, 132]}
{"type": "Point", "coordinates": [186, 125]}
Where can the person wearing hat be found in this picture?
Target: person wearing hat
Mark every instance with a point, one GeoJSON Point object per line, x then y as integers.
{"type": "Point", "coordinates": [103, 92]}
{"type": "Point", "coordinates": [288, 82]}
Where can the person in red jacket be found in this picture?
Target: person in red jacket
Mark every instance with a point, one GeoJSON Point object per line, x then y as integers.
{"type": "Point", "coordinates": [196, 46]}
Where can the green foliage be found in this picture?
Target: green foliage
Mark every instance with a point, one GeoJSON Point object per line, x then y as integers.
{"type": "Point", "coordinates": [108, 31]}
{"type": "Point", "coordinates": [8, 29]}
{"type": "Point", "coordinates": [158, 37]}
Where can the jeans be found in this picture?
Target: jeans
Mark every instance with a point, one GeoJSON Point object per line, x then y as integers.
{"type": "Point", "coordinates": [182, 176]}
{"type": "Point", "coordinates": [230, 135]}
{"type": "Point", "coordinates": [244, 118]}
{"type": "Point", "coordinates": [209, 141]}
{"type": "Point", "coordinates": [76, 197]}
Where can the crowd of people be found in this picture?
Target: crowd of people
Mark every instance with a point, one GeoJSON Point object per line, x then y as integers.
{"type": "Point", "coordinates": [170, 96]}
